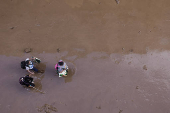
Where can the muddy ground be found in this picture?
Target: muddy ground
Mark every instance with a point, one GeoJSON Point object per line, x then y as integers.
{"type": "Point", "coordinates": [117, 53]}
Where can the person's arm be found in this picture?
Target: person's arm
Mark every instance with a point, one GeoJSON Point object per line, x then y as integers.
{"type": "Point", "coordinates": [30, 72]}
{"type": "Point", "coordinates": [66, 67]}
{"type": "Point", "coordinates": [27, 84]}
{"type": "Point", "coordinates": [36, 60]}
{"type": "Point", "coordinates": [28, 69]}
{"type": "Point", "coordinates": [61, 71]}
{"type": "Point", "coordinates": [29, 75]}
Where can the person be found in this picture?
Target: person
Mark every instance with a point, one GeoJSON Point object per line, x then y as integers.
{"type": "Point", "coordinates": [27, 81]}
{"type": "Point", "coordinates": [62, 68]}
{"type": "Point", "coordinates": [30, 66]}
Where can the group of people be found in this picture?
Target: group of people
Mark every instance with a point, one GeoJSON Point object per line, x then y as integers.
{"type": "Point", "coordinates": [61, 69]}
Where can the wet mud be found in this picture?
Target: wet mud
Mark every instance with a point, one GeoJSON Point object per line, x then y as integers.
{"type": "Point", "coordinates": [47, 108]}
{"type": "Point", "coordinates": [39, 76]}
{"type": "Point", "coordinates": [117, 52]}
{"type": "Point", "coordinates": [71, 72]}
{"type": "Point", "coordinates": [96, 84]}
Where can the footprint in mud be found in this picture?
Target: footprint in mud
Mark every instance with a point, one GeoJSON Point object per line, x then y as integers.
{"type": "Point", "coordinates": [71, 72]}
{"type": "Point", "coordinates": [47, 108]}
{"type": "Point", "coordinates": [129, 63]}
{"type": "Point", "coordinates": [116, 58]}
{"type": "Point", "coordinates": [99, 107]}
{"type": "Point", "coordinates": [120, 111]}
{"type": "Point", "coordinates": [144, 67]}
{"type": "Point", "coordinates": [137, 87]}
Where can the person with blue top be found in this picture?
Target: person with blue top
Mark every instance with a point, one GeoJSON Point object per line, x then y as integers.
{"type": "Point", "coordinates": [30, 66]}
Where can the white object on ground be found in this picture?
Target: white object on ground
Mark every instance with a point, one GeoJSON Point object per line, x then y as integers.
{"type": "Point", "coordinates": [63, 73]}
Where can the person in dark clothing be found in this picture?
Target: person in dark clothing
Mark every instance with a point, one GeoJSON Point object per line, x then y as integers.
{"type": "Point", "coordinates": [27, 81]}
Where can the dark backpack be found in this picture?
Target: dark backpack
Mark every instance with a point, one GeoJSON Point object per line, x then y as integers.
{"type": "Point", "coordinates": [24, 63]}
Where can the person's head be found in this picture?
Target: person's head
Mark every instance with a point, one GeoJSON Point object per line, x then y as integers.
{"type": "Point", "coordinates": [60, 62]}
{"type": "Point", "coordinates": [21, 79]}
{"type": "Point", "coordinates": [27, 59]}
{"type": "Point", "coordinates": [27, 62]}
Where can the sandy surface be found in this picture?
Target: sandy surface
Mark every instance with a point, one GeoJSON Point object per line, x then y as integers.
{"type": "Point", "coordinates": [118, 55]}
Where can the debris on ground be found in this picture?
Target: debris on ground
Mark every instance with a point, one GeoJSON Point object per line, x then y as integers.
{"type": "Point", "coordinates": [120, 111]}
{"type": "Point", "coordinates": [98, 107]}
{"type": "Point", "coordinates": [144, 67]}
{"type": "Point", "coordinates": [12, 27]}
{"type": "Point", "coordinates": [58, 50]}
{"type": "Point", "coordinates": [131, 50]}
{"type": "Point", "coordinates": [27, 50]}
{"type": "Point", "coordinates": [137, 87]}
{"type": "Point", "coordinates": [117, 1]}
{"type": "Point", "coordinates": [129, 63]}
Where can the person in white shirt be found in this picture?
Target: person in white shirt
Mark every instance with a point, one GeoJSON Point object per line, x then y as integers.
{"type": "Point", "coordinates": [30, 67]}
